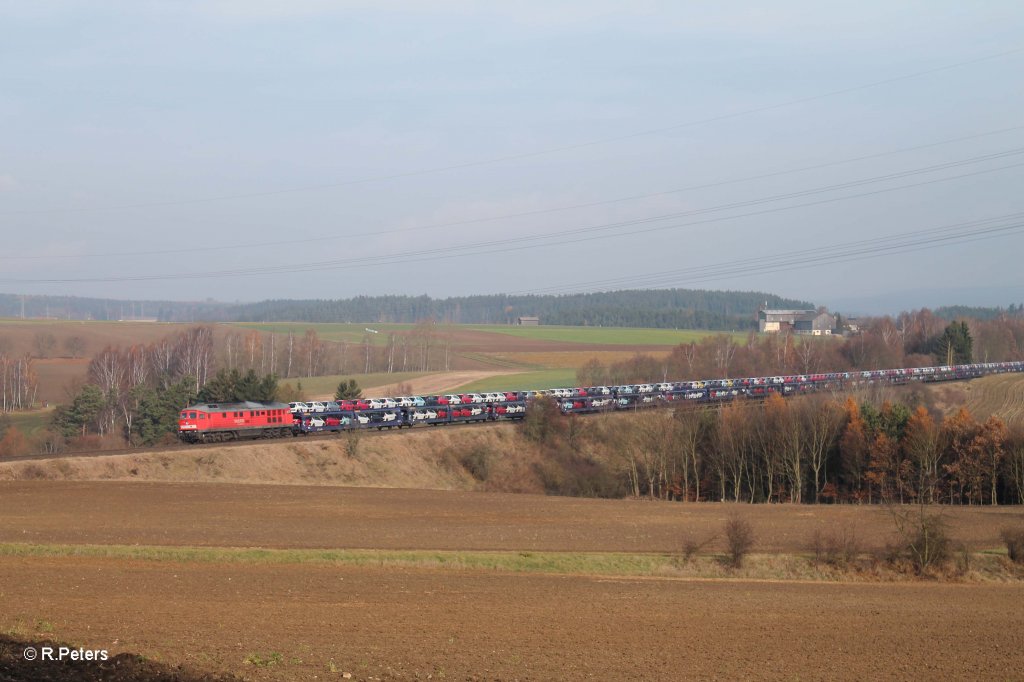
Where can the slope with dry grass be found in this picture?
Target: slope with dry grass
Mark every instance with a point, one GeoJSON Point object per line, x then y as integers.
{"type": "Point", "coordinates": [1000, 395]}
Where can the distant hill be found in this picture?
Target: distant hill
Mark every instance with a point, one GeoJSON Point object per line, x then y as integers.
{"type": "Point", "coordinates": [956, 312]}
{"type": "Point", "coordinates": [663, 308]}
{"type": "Point", "coordinates": [657, 308]}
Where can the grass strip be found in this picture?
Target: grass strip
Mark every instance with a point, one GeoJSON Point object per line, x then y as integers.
{"type": "Point", "coordinates": [524, 562]}
{"type": "Point", "coordinates": [986, 566]}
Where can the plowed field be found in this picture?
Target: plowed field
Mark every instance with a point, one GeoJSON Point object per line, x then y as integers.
{"type": "Point", "coordinates": [302, 622]}
{"type": "Point", "coordinates": [310, 517]}
{"type": "Point", "coordinates": [295, 620]}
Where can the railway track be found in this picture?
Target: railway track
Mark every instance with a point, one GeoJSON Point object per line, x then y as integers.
{"type": "Point", "coordinates": [195, 447]}
{"type": "Point", "coordinates": [729, 393]}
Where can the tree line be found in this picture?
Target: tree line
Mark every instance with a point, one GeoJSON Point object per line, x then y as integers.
{"type": "Point", "coordinates": [18, 382]}
{"type": "Point", "coordinates": [133, 394]}
{"type": "Point", "coordinates": [664, 308]}
{"type": "Point", "coordinates": [916, 339]}
{"type": "Point", "coordinates": [811, 449]}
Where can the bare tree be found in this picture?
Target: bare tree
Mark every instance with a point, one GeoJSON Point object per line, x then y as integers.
{"type": "Point", "coordinates": [1015, 464]}
{"type": "Point", "coordinates": [290, 351]}
{"type": "Point", "coordinates": [253, 344]}
{"type": "Point", "coordinates": [311, 351]}
{"type": "Point", "coordinates": [922, 445]}
{"type": "Point", "coordinates": [423, 336]}
{"type": "Point", "coordinates": [43, 343]}
{"type": "Point", "coordinates": [108, 371]}
{"type": "Point", "coordinates": [232, 348]}
{"type": "Point", "coordinates": [194, 354]}
{"type": "Point", "coordinates": [688, 431]}
{"type": "Point", "coordinates": [725, 350]}
{"type": "Point", "coordinates": [392, 342]}
{"type": "Point", "coordinates": [18, 382]}
{"type": "Point", "coordinates": [273, 353]}
{"type": "Point", "coordinates": [137, 365]}
{"type": "Point", "coordinates": [808, 353]}
{"type": "Point", "coordinates": [822, 421]}
{"type": "Point", "coordinates": [74, 346]}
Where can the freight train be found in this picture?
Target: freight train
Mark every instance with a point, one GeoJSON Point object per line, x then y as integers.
{"type": "Point", "coordinates": [218, 422]}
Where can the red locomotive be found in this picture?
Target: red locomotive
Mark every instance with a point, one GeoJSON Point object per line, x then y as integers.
{"type": "Point", "coordinates": [217, 422]}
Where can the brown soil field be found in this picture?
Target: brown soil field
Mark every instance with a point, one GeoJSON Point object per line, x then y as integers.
{"type": "Point", "coordinates": [57, 376]}
{"type": "Point", "coordinates": [58, 373]}
{"type": "Point", "coordinates": [96, 335]}
{"type": "Point", "coordinates": [292, 621]}
{"type": "Point", "coordinates": [280, 622]}
{"type": "Point", "coordinates": [228, 515]}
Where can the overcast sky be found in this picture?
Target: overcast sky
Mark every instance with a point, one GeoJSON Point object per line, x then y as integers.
{"type": "Point", "coordinates": [247, 149]}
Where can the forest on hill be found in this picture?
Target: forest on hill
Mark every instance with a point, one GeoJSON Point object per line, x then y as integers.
{"type": "Point", "coordinates": [662, 308]}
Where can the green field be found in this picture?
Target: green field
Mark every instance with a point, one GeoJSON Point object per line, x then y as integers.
{"type": "Point", "coordinates": [524, 381]}
{"type": "Point", "coordinates": [623, 336]}
{"type": "Point", "coordinates": [29, 423]}
{"type": "Point", "coordinates": [331, 331]}
{"type": "Point", "coordinates": [326, 385]}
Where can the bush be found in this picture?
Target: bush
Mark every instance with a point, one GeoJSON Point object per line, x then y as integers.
{"type": "Point", "coordinates": [839, 548]}
{"type": "Point", "coordinates": [352, 444]}
{"type": "Point", "coordinates": [477, 461]}
{"type": "Point", "coordinates": [692, 546]}
{"type": "Point", "coordinates": [739, 536]}
{"type": "Point", "coordinates": [923, 538]}
{"type": "Point", "coordinates": [1014, 539]}
{"type": "Point", "coordinates": [13, 443]}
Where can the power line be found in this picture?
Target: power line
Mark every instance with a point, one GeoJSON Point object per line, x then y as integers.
{"type": "Point", "coordinates": [458, 223]}
{"type": "Point", "coordinates": [581, 234]}
{"type": "Point", "coordinates": [533, 154]}
{"type": "Point", "coordinates": [970, 231]}
{"type": "Point", "coordinates": [951, 234]}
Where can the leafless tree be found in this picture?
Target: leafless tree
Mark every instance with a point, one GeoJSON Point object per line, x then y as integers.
{"type": "Point", "coordinates": [725, 350]}
{"type": "Point", "coordinates": [311, 352]}
{"type": "Point", "coordinates": [108, 371]}
{"type": "Point", "coordinates": [808, 353]}
{"type": "Point", "coordinates": [161, 355]}
{"type": "Point", "coordinates": [44, 343]}
{"type": "Point", "coordinates": [74, 346]}
{"type": "Point", "coordinates": [253, 344]}
{"type": "Point", "coordinates": [821, 420]}
{"type": "Point", "coordinates": [688, 423]}
{"type": "Point", "coordinates": [232, 348]}
{"type": "Point", "coordinates": [18, 382]}
{"type": "Point", "coordinates": [137, 365]}
{"type": "Point", "coordinates": [194, 354]}
{"type": "Point", "coordinates": [1015, 463]}
{"type": "Point", "coordinates": [921, 443]}
{"type": "Point", "coordinates": [392, 342]}
{"type": "Point", "coordinates": [273, 353]}
{"type": "Point", "coordinates": [290, 351]}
